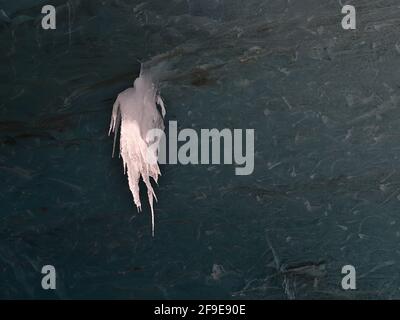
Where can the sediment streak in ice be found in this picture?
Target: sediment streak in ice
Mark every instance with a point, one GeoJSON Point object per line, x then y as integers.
{"type": "Point", "coordinates": [135, 111]}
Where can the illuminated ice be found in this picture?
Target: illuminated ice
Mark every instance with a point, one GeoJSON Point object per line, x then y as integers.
{"type": "Point", "coordinates": [135, 112]}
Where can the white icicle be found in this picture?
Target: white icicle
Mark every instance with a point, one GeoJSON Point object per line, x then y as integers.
{"type": "Point", "coordinates": [135, 111]}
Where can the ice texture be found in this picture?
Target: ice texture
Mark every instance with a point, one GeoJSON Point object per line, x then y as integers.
{"type": "Point", "coordinates": [135, 111]}
{"type": "Point", "coordinates": [325, 192]}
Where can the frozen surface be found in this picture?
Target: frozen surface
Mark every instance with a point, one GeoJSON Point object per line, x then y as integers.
{"type": "Point", "coordinates": [325, 191]}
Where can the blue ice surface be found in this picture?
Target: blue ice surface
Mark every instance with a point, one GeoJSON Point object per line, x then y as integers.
{"type": "Point", "coordinates": [324, 192]}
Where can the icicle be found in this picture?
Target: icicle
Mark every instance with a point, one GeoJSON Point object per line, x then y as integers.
{"type": "Point", "coordinates": [135, 112]}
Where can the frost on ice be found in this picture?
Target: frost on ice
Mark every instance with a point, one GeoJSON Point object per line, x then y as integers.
{"type": "Point", "coordinates": [135, 112]}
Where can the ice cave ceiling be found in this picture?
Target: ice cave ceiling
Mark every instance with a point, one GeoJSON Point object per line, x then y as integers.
{"type": "Point", "coordinates": [324, 103]}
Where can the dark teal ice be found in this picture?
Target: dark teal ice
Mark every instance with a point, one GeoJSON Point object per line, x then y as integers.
{"type": "Point", "coordinates": [325, 192]}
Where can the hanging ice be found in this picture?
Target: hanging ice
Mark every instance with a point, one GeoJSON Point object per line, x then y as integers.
{"type": "Point", "coordinates": [135, 111]}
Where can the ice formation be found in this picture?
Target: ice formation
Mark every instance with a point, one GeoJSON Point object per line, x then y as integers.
{"type": "Point", "coordinates": [135, 112]}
